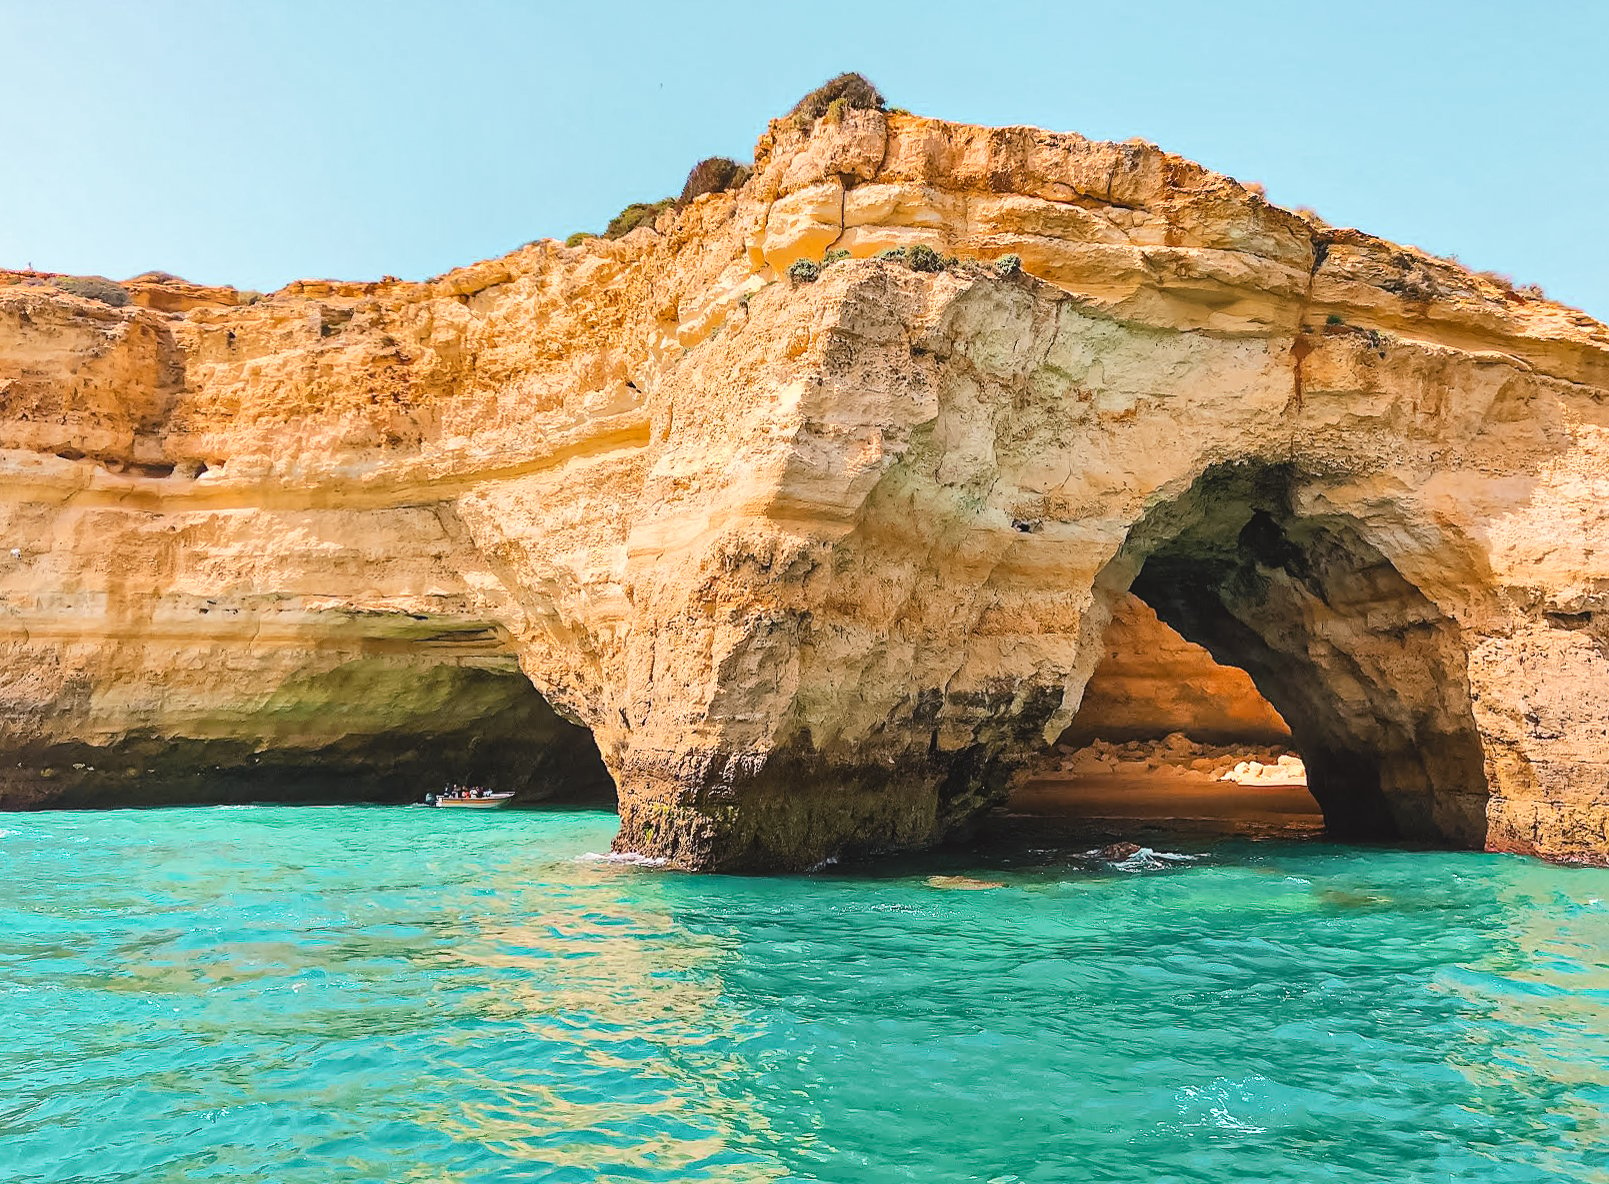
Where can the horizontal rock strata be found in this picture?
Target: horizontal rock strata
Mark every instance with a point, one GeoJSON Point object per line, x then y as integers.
{"type": "Point", "coordinates": [815, 564]}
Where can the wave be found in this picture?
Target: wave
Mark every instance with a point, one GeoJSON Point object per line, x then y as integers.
{"type": "Point", "coordinates": [628, 858]}
{"type": "Point", "coordinates": [1145, 859]}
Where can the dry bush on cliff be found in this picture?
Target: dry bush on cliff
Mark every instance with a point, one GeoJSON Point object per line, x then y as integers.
{"type": "Point", "coordinates": [93, 287]}
{"type": "Point", "coordinates": [836, 94]}
{"type": "Point", "coordinates": [713, 174]}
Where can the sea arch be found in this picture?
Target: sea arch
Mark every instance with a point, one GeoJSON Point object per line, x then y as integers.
{"type": "Point", "coordinates": [978, 467]}
{"type": "Point", "coordinates": [1369, 674]}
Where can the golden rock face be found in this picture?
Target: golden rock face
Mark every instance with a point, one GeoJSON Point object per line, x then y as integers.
{"type": "Point", "coordinates": [1151, 683]}
{"type": "Point", "coordinates": [815, 564]}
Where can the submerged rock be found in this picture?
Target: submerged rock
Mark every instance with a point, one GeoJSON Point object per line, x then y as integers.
{"type": "Point", "coordinates": [1117, 852]}
{"type": "Point", "coordinates": [963, 883]}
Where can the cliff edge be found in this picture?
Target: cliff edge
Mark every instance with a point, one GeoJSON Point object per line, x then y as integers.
{"type": "Point", "coordinates": [810, 554]}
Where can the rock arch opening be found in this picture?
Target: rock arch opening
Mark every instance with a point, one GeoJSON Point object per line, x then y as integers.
{"type": "Point", "coordinates": [1166, 738]}
{"type": "Point", "coordinates": [387, 725]}
{"type": "Point", "coordinates": [384, 728]}
{"type": "Point", "coordinates": [1368, 674]}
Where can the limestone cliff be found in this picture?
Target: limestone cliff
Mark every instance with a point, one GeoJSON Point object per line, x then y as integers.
{"type": "Point", "coordinates": [815, 563]}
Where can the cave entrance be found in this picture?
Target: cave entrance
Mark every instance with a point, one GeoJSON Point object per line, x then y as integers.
{"type": "Point", "coordinates": [386, 725]}
{"type": "Point", "coordinates": [388, 728]}
{"type": "Point", "coordinates": [1168, 738]}
{"type": "Point", "coordinates": [1367, 674]}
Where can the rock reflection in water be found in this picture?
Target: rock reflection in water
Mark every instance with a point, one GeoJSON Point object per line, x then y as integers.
{"type": "Point", "coordinates": [307, 997]}
{"type": "Point", "coordinates": [625, 1032]}
{"type": "Point", "coordinates": [1542, 988]}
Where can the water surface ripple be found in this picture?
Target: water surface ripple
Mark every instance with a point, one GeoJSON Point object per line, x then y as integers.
{"type": "Point", "coordinates": [306, 996]}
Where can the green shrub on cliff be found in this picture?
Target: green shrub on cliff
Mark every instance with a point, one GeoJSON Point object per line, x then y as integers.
{"type": "Point", "coordinates": [93, 287]}
{"type": "Point", "coordinates": [1007, 266]}
{"type": "Point", "coordinates": [638, 213]}
{"type": "Point", "coordinates": [802, 271]}
{"type": "Point", "coordinates": [919, 257]}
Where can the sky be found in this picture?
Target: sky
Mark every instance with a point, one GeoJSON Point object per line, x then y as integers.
{"type": "Point", "coordinates": [256, 143]}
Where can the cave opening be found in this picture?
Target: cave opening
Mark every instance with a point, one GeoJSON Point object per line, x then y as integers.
{"type": "Point", "coordinates": [386, 727]}
{"type": "Point", "coordinates": [1167, 738]}
{"type": "Point", "coordinates": [1366, 675]}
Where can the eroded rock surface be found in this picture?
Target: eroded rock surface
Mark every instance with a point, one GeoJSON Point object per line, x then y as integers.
{"type": "Point", "coordinates": [816, 564]}
{"type": "Point", "coordinates": [1151, 683]}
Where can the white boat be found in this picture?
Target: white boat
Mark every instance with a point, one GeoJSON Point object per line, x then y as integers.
{"type": "Point", "coordinates": [485, 801]}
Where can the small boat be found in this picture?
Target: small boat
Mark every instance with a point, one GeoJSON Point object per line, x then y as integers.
{"type": "Point", "coordinates": [464, 798]}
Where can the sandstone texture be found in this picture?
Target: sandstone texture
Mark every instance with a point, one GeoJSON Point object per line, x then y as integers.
{"type": "Point", "coordinates": [816, 565]}
{"type": "Point", "coordinates": [1152, 683]}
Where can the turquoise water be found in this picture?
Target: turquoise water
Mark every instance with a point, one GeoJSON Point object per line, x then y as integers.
{"type": "Point", "coordinates": [380, 994]}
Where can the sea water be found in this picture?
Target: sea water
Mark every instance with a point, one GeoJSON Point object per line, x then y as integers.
{"type": "Point", "coordinates": [308, 996]}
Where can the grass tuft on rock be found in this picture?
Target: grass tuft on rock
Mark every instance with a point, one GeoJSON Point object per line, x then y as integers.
{"type": "Point", "coordinates": [638, 213]}
{"type": "Point", "coordinates": [803, 271]}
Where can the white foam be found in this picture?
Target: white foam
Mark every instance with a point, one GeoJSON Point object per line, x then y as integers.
{"type": "Point", "coordinates": [1210, 1105]}
{"type": "Point", "coordinates": [629, 858]}
{"type": "Point", "coordinates": [1145, 859]}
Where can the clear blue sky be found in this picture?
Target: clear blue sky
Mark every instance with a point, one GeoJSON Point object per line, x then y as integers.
{"type": "Point", "coordinates": [254, 143]}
